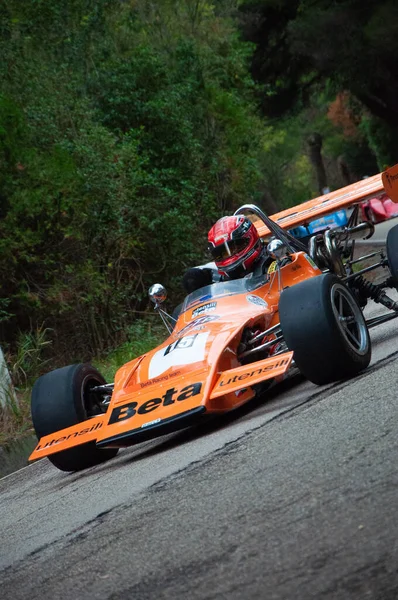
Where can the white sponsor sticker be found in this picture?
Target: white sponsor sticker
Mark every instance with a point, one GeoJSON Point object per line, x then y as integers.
{"type": "Point", "coordinates": [204, 308]}
{"type": "Point", "coordinates": [184, 351]}
{"type": "Point", "coordinates": [198, 324]}
{"type": "Point", "coordinates": [256, 300]}
{"type": "Point", "coordinates": [151, 423]}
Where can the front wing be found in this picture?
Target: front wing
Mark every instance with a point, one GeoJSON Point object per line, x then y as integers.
{"type": "Point", "coordinates": [138, 417]}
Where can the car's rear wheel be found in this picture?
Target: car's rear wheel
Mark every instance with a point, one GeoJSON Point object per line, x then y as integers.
{"type": "Point", "coordinates": [392, 252]}
{"type": "Point", "coordinates": [323, 324]}
{"type": "Point", "coordinates": [63, 398]}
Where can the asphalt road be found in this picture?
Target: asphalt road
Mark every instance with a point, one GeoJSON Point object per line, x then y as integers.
{"type": "Point", "coordinates": [292, 498]}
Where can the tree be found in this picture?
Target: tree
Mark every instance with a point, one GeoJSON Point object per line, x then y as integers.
{"type": "Point", "coordinates": [348, 43]}
{"type": "Point", "coordinates": [122, 138]}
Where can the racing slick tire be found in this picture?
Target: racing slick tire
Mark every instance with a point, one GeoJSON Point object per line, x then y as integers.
{"type": "Point", "coordinates": [323, 324]}
{"type": "Point", "coordinates": [392, 253]}
{"type": "Point", "coordinates": [61, 399]}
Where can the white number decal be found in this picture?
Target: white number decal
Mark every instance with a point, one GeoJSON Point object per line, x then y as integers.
{"type": "Point", "coordinates": [184, 351]}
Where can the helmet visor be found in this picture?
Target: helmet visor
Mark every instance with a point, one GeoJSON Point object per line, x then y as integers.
{"type": "Point", "coordinates": [229, 249]}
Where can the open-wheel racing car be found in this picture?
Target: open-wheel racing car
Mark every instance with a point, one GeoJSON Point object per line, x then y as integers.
{"type": "Point", "coordinates": [231, 340]}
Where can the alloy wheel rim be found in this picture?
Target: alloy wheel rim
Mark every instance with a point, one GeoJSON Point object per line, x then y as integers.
{"type": "Point", "coordinates": [349, 319]}
{"type": "Point", "coordinates": [90, 404]}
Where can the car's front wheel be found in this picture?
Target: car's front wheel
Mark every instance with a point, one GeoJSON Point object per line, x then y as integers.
{"type": "Point", "coordinates": [324, 325]}
{"type": "Point", "coordinates": [63, 398]}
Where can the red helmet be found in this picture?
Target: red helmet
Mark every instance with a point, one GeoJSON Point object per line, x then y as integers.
{"type": "Point", "coordinates": [234, 245]}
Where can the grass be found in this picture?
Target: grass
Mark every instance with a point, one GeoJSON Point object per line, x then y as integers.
{"type": "Point", "coordinates": [15, 419]}
{"type": "Point", "coordinates": [29, 363]}
{"type": "Point", "coordinates": [143, 336]}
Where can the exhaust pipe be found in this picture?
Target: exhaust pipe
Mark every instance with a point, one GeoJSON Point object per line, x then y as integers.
{"type": "Point", "coordinates": [362, 231]}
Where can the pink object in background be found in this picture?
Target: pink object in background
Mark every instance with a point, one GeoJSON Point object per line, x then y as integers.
{"type": "Point", "coordinates": [379, 209]}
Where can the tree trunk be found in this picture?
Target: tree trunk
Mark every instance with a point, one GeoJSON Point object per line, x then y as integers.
{"type": "Point", "coordinates": [7, 392]}
{"type": "Point", "coordinates": [314, 143]}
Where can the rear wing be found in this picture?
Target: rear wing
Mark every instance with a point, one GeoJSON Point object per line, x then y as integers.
{"type": "Point", "coordinates": [386, 182]}
{"type": "Point", "coordinates": [390, 182]}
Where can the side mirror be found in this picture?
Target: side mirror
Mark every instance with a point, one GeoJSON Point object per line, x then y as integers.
{"type": "Point", "coordinates": [277, 249]}
{"type": "Point", "coordinates": [157, 293]}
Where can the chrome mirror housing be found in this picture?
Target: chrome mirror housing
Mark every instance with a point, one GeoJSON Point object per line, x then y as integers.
{"type": "Point", "coordinates": [157, 293]}
{"type": "Point", "coordinates": [277, 249]}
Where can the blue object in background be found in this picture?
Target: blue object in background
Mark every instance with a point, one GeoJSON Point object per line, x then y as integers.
{"type": "Point", "coordinates": [337, 219]}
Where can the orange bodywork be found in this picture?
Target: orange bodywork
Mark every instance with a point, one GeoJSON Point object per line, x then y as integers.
{"type": "Point", "coordinates": [390, 182]}
{"type": "Point", "coordinates": [324, 205]}
{"type": "Point", "coordinates": [194, 372]}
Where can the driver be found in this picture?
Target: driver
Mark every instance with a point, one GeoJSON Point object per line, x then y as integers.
{"type": "Point", "coordinates": [237, 251]}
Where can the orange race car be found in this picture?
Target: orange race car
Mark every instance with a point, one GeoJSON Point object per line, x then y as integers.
{"type": "Point", "coordinates": [232, 339]}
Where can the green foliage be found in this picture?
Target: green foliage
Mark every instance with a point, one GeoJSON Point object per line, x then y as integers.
{"type": "Point", "coordinates": [135, 125]}
{"type": "Point", "coordinates": [305, 43]}
{"type": "Point", "coordinates": [143, 335]}
{"type": "Point", "coordinates": [122, 138]}
{"type": "Point", "coordinates": [15, 420]}
{"type": "Point", "coordinates": [381, 140]}
{"type": "Point", "coordinates": [286, 165]}
{"type": "Point", "coordinates": [29, 361]}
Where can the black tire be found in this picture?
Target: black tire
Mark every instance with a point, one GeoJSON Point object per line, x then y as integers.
{"type": "Point", "coordinates": [62, 398]}
{"type": "Point", "coordinates": [392, 253]}
{"type": "Point", "coordinates": [326, 348]}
